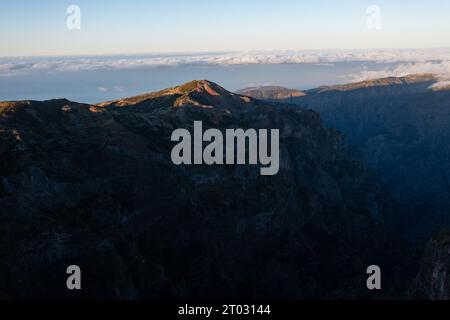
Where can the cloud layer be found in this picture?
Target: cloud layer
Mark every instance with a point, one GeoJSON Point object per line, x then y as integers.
{"type": "Point", "coordinates": [439, 68]}
{"type": "Point", "coordinates": [408, 61]}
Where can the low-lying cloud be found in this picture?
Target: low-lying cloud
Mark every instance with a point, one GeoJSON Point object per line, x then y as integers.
{"type": "Point", "coordinates": [108, 89]}
{"type": "Point", "coordinates": [410, 61]}
{"type": "Point", "coordinates": [439, 68]}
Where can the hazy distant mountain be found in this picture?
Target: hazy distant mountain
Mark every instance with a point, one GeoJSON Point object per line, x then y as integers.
{"type": "Point", "coordinates": [94, 185]}
{"type": "Point", "coordinates": [271, 93]}
{"type": "Point", "coordinates": [401, 128]}
{"type": "Point", "coordinates": [379, 83]}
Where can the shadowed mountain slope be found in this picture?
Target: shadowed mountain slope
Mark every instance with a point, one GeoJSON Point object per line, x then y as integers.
{"type": "Point", "coordinates": [400, 127]}
{"type": "Point", "coordinates": [93, 185]}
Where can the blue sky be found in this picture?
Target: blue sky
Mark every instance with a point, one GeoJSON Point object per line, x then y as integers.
{"type": "Point", "coordinates": [30, 28]}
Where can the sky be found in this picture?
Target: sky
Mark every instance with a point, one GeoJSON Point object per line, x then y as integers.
{"type": "Point", "coordinates": [39, 28]}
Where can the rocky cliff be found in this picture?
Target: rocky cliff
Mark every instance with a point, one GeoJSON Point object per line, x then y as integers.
{"type": "Point", "coordinates": [400, 128]}
{"type": "Point", "coordinates": [94, 186]}
{"type": "Point", "coordinates": [433, 281]}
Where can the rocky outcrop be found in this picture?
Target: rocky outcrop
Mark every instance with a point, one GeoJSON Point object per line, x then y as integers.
{"type": "Point", "coordinates": [433, 282]}
{"type": "Point", "coordinates": [94, 186]}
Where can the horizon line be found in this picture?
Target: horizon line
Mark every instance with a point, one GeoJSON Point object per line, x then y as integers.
{"type": "Point", "coordinates": [212, 52]}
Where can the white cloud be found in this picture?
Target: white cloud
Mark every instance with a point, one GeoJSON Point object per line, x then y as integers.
{"type": "Point", "coordinates": [439, 68]}
{"type": "Point", "coordinates": [118, 88]}
{"type": "Point", "coordinates": [102, 89]}
{"type": "Point", "coordinates": [412, 59]}
{"type": "Point", "coordinates": [114, 88]}
{"type": "Point", "coordinates": [440, 84]}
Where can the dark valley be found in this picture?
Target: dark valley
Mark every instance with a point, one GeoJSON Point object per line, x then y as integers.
{"type": "Point", "coordinates": [399, 128]}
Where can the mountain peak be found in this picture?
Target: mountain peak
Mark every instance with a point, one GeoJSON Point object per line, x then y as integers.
{"type": "Point", "coordinates": [202, 86]}
{"type": "Point", "coordinates": [197, 93]}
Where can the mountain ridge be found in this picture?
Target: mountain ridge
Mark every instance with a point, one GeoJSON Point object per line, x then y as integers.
{"type": "Point", "coordinates": [399, 128]}
{"type": "Point", "coordinates": [380, 82]}
{"type": "Point", "coordinates": [270, 92]}
{"type": "Point", "coordinates": [211, 95]}
{"type": "Point", "coordinates": [278, 93]}
{"type": "Point", "coordinates": [94, 186]}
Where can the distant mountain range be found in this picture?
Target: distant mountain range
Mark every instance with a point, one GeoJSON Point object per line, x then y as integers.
{"type": "Point", "coordinates": [271, 93]}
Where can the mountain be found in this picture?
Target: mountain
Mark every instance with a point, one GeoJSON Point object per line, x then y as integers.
{"type": "Point", "coordinates": [270, 93]}
{"type": "Point", "coordinates": [379, 83]}
{"type": "Point", "coordinates": [94, 186]}
{"type": "Point", "coordinates": [400, 128]}
{"type": "Point", "coordinates": [433, 280]}
{"type": "Point", "coordinates": [201, 94]}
